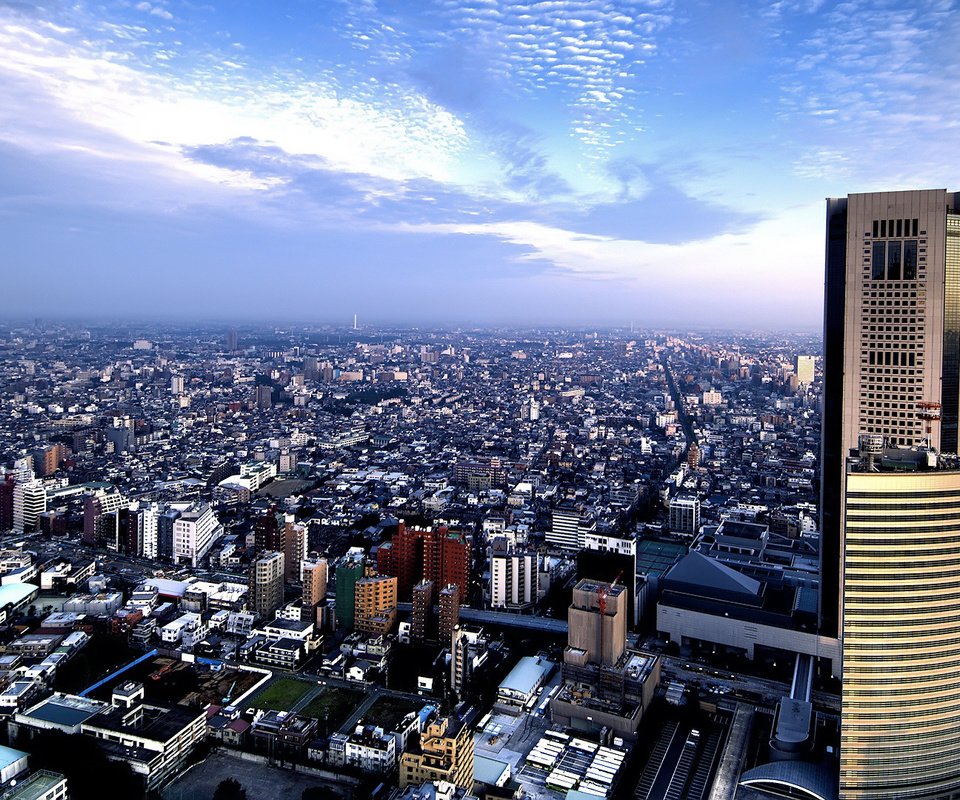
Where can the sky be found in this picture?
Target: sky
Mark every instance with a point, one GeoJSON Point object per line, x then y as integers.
{"type": "Point", "coordinates": [574, 162]}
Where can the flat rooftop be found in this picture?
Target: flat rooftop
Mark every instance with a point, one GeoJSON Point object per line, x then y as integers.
{"type": "Point", "coordinates": [67, 710]}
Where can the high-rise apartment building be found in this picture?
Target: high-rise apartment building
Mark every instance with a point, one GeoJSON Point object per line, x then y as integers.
{"type": "Point", "coordinates": [514, 576]}
{"type": "Point", "coordinates": [422, 616]}
{"type": "Point", "coordinates": [376, 605]}
{"type": "Point", "coordinates": [449, 610]}
{"type": "Point", "coordinates": [438, 555]}
{"type": "Point", "coordinates": [348, 572]}
{"type": "Point", "coordinates": [266, 584]}
{"type": "Point", "coordinates": [295, 546]}
{"type": "Point", "coordinates": [313, 573]}
{"type": "Point", "coordinates": [890, 516]}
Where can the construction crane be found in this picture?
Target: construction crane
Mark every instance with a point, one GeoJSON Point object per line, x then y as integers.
{"type": "Point", "coordinates": [929, 412]}
{"type": "Point", "coordinates": [602, 591]}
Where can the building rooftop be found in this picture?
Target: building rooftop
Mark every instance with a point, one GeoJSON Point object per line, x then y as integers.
{"type": "Point", "coordinates": [64, 709]}
{"type": "Point", "coordinates": [34, 787]}
{"type": "Point", "coordinates": [527, 674]}
{"type": "Point", "coordinates": [9, 756]}
{"type": "Point", "coordinates": [15, 593]}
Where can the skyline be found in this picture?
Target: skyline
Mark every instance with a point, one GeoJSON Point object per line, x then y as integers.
{"type": "Point", "coordinates": [561, 162]}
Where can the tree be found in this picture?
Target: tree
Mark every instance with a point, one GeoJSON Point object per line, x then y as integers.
{"type": "Point", "coordinates": [230, 789]}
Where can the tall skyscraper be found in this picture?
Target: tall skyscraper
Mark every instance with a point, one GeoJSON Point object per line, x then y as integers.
{"type": "Point", "coordinates": [890, 516]}
{"type": "Point", "coordinates": [804, 368]}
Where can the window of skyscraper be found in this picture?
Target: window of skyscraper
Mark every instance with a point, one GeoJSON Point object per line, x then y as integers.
{"type": "Point", "coordinates": [893, 261]}
{"type": "Point", "coordinates": [879, 260]}
{"type": "Point", "coordinates": [910, 259]}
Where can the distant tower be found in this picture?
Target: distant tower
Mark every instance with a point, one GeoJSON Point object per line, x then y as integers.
{"type": "Point", "coordinates": [355, 322]}
{"type": "Point", "coordinates": [232, 341]}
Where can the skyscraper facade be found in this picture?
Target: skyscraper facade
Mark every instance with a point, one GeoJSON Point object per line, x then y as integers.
{"type": "Point", "coordinates": [890, 515]}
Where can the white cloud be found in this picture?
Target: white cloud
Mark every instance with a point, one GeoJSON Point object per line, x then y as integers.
{"type": "Point", "coordinates": [59, 90]}
{"type": "Point", "coordinates": [779, 260]}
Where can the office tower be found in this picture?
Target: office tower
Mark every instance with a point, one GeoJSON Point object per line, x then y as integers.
{"type": "Point", "coordinates": [265, 584]}
{"type": "Point", "coordinates": [685, 515]}
{"type": "Point", "coordinates": [348, 572]}
{"type": "Point", "coordinates": [422, 616]}
{"type": "Point", "coordinates": [176, 384]}
{"type": "Point", "coordinates": [231, 341]}
{"type": "Point", "coordinates": [890, 518]}
{"type": "Point", "coordinates": [449, 611]}
{"type": "Point", "coordinates": [569, 526]}
{"type": "Point", "coordinates": [891, 319]}
{"type": "Point", "coordinates": [376, 605]}
{"type": "Point", "coordinates": [99, 515]}
{"type": "Point", "coordinates": [803, 368]}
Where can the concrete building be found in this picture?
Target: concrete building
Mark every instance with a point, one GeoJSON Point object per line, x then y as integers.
{"type": "Point", "coordinates": [29, 502]}
{"type": "Point", "coordinates": [514, 576]}
{"type": "Point", "coordinates": [568, 527]}
{"type": "Point", "coordinates": [194, 532]}
{"type": "Point", "coordinates": [444, 752]}
{"type": "Point", "coordinates": [154, 740]}
{"type": "Point", "coordinates": [265, 584]}
{"type": "Point", "coordinates": [435, 554]}
{"type": "Point", "coordinates": [685, 515]}
{"type": "Point", "coordinates": [295, 545]}
{"type": "Point", "coordinates": [604, 684]}
{"type": "Point", "coordinates": [597, 621]}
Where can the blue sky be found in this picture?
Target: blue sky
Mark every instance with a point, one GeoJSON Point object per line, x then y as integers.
{"type": "Point", "coordinates": [469, 161]}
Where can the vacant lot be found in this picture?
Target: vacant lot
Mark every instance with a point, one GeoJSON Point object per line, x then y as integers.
{"type": "Point", "coordinates": [259, 780]}
{"type": "Point", "coordinates": [388, 712]}
{"type": "Point", "coordinates": [332, 707]}
{"type": "Point", "coordinates": [281, 695]}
